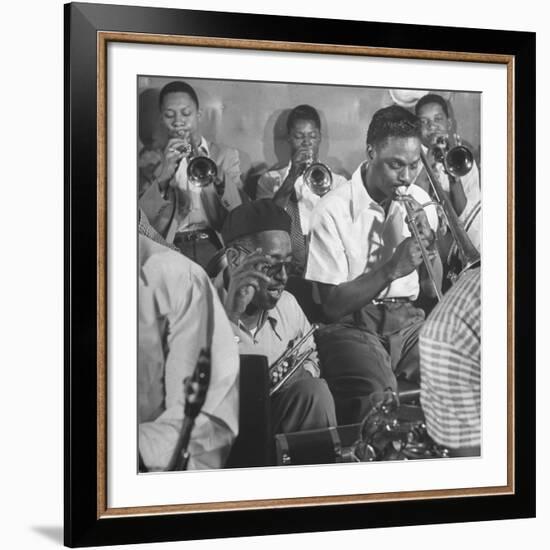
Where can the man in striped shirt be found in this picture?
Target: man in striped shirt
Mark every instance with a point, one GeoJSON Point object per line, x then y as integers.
{"type": "Point", "coordinates": [450, 367]}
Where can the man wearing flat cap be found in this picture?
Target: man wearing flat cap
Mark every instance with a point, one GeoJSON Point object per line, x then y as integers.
{"type": "Point", "coordinates": [265, 318]}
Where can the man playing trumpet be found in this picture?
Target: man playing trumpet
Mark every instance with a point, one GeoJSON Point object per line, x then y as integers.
{"type": "Point", "coordinates": [265, 318]}
{"type": "Point", "coordinates": [287, 186]}
{"type": "Point", "coordinates": [298, 187]}
{"type": "Point", "coordinates": [370, 269]}
{"type": "Point", "coordinates": [183, 212]}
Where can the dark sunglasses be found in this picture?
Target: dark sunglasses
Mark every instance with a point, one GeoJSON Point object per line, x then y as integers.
{"type": "Point", "coordinates": [273, 269]}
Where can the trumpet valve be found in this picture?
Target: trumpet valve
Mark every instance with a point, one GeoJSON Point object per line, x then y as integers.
{"type": "Point", "coordinates": [278, 372]}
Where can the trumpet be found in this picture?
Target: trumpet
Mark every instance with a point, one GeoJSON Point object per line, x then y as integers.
{"type": "Point", "coordinates": [402, 197]}
{"type": "Point", "coordinates": [289, 362]}
{"type": "Point", "coordinates": [201, 170]}
{"type": "Point", "coordinates": [317, 176]}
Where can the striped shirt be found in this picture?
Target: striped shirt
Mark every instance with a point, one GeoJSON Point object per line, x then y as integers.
{"type": "Point", "coordinates": [450, 365]}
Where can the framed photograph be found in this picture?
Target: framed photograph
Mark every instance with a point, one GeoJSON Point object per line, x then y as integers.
{"type": "Point", "coordinates": [293, 299]}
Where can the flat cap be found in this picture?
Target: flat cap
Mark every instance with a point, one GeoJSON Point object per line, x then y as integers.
{"type": "Point", "coordinates": [254, 217]}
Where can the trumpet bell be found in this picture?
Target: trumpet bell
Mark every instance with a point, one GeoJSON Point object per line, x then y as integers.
{"type": "Point", "coordinates": [318, 178]}
{"type": "Point", "coordinates": [202, 171]}
{"type": "Point", "coordinates": [459, 161]}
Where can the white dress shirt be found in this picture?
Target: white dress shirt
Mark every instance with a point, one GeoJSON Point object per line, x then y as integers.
{"type": "Point", "coordinates": [350, 234]}
{"type": "Point", "coordinates": [180, 313]}
{"type": "Point", "coordinates": [271, 181]}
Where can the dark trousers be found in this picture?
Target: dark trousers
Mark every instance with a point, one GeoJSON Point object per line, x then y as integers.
{"type": "Point", "coordinates": [304, 404]}
{"type": "Point", "coordinates": [368, 354]}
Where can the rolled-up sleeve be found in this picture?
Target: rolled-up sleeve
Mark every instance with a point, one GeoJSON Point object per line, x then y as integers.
{"type": "Point", "coordinates": [268, 185]}
{"type": "Point", "coordinates": [327, 262]}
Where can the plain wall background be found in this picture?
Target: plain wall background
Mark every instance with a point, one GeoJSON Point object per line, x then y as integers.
{"type": "Point", "coordinates": [32, 274]}
{"type": "Point", "coordinates": [251, 117]}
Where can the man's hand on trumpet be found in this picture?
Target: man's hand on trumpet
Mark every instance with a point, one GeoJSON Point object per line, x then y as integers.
{"type": "Point", "coordinates": [173, 154]}
{"type": "Point", "coordinates": [420, 219]}
{"type": "Point", "coordinates": [406, 258]}
{"type": "Point", "coordinates": [299, 161]}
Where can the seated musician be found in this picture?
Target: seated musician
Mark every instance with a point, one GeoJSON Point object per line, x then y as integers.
{"type": "Point", "coordinates": [286, 185]}
{"type": "Point", "coordinates": [287, 188]}
{"type": "Point", "coordinates": [266, 318]}
{"type": "Point", "coordinates": [450, 366]}
{"type": "Point", "coordinates": [369, 268]}
{"type": "Point", "coordinates": [183, 213]}
{"type": "Point", "coordinates": [180, 313]}
{"type": "Point", "coordinates": [465, 191]}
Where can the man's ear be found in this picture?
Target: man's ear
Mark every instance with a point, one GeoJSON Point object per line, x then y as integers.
{"type": "Point", "coordinates": [232, 256]}
{"type": "Point", "coordinates": [370, 152]}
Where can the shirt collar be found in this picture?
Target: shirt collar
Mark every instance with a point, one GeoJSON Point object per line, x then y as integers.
{"type": "Point", "coordinates": [204, 145]}
{"type": "Point", "coordinates": [266, 315]}
{"type": "Point", "coordinates": [360, 198]}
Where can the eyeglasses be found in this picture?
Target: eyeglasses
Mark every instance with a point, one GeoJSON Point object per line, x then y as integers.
{"type": "Point", "coordinates": [273, 269]}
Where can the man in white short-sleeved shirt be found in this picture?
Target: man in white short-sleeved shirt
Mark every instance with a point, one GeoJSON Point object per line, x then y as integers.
{"type": "Point", "coordinates": [369, 269]}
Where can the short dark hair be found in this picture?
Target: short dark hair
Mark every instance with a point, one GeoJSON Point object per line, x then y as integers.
{"type": "Point", "coordinates": [178, 86]}
{"type": "Point", "coordinates": [432, 98]}
{"type": "Point", "coordinates": [392, 121]}
{"type": "Point", "coordinates": [303, 112]}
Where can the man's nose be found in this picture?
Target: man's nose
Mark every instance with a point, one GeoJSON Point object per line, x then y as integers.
{"type": "Point", "coordinates": [282, 274]}
{"type": "Point", "coordinates": [405, 176]}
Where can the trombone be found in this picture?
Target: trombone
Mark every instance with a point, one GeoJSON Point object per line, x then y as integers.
{"type": "Point", "coordinates": [289, 362]}
{"type": "Point", "coordinates": [457, 162]}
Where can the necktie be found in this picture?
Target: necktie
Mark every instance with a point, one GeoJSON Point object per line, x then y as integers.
{"type": "Point", "coordinates": [296, 235]}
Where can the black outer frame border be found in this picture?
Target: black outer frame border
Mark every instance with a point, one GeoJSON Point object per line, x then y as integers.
{"type": "Point", "coordinates": [82, 528]}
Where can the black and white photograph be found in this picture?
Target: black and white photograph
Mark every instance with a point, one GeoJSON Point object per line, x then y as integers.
{"type": "Point", "coordinates": [309, 274]}
{"type": "Point", "coordinates": [278, 319]}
